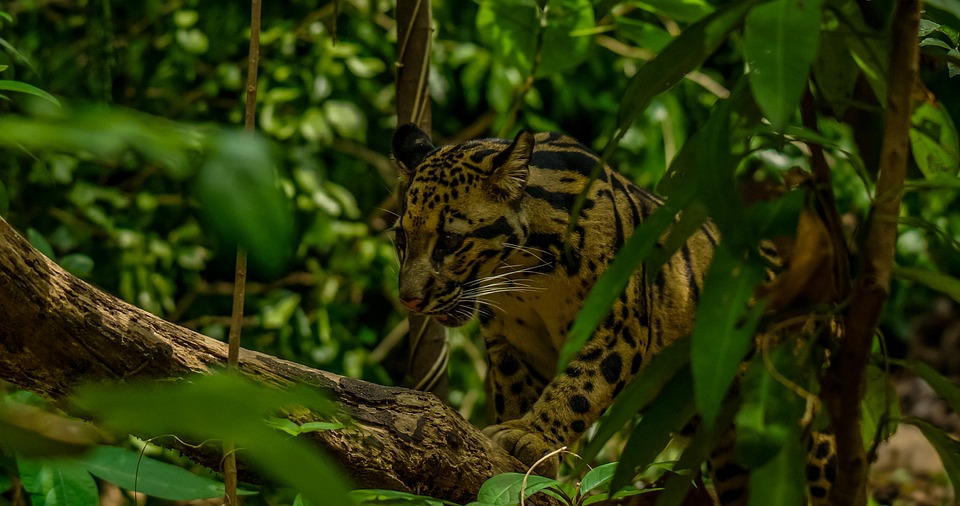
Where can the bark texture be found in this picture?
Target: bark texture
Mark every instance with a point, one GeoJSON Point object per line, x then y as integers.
{"type": "Point", "coordinates": [844, 382]}
{"type": "Point", "coordinates": [57, 331]}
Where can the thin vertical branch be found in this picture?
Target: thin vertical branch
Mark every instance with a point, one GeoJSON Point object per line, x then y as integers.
{"type": "Point", "coordinates": [844, 382]}
{"type": "Point", "coordinates": [240, 272]}
{"type": "Point", "coordinates": [426, 367]}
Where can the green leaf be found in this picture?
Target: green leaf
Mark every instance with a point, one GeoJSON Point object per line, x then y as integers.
{"type": "Point", "coordinates": [206, 408]}
{"type": "Point", "coordinates": [612, 282]}
{"type": "Point", "coordinates": [639, 392]}
{"type": "Point", "coordinates": [510, 28]}
{"type": "Point", "coordinates": [131, 471]}
{"type": "Point", "coordinates": [57, 483]}
{"type": "Point", "coordinates": [242, 200]}
{"type": "Point", "coordinates": [37, 240]}
{"type": "Point", "coordinates": [504, 489]}
{"type": "Point", "coordinates": [938, 281]}
{"type": "Point", "coordinates": [666, 416]}
{"type": "Point", "coordinates": [770, 410]}
{"type": "Point", "coordinates": [687, 52]}
{"type": "Point", "coordinates": [106, 133]}
{"type": "Point", "coordinates": [933, 141]}
{"type": "Point", "coordinates": [779, 44]}
{"type": "Point", "coordinates": [947, 447]}
{"type": "Point", "coordinates": [28, 89]}
{"type": "Point", "coordinates": [723, 328]}
{"type": "Point", "coordinates": [78, 264]}
{"type": "Point", "coordinates": [364, 497]}
{"type": "Point", "coordinates": [881, 406]}
{"type": "Point", "coordinates": [678, 10]}
{"type": "Point", "coordinates": [781, 480]}
{"type": "Point", "coordinates": [834, 71]}
{"type": "Point", "coordinates": [597, 477]}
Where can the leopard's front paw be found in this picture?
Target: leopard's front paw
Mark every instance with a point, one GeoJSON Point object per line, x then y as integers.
{"type": "Point", "coordinates": [527, 445]}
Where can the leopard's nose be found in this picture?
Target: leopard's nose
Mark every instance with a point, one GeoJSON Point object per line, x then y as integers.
{"type": "Point", "coordinates": [415, 305]}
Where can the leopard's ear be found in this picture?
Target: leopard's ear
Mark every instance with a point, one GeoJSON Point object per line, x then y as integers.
{"type": "Point", "coordinates": [410, 146]}
{"type": "Point", "coordinates": [511, 167]}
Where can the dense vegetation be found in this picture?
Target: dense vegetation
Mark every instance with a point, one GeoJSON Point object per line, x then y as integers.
{"type": "Point", "coordinates": [133, 177]}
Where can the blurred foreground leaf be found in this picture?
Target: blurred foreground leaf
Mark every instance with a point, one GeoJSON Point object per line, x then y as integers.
{"type": "Point", "coordinates": [242, 200]}
{"type": "Point", "coordinates": [224, 406]}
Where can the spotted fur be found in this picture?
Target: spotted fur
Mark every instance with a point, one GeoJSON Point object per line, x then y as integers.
{"type": "Point", "coordinates": [483, 230]}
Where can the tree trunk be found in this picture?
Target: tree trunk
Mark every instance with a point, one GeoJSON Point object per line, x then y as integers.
{"type": "Point", "coordinates": [57, 331]}
{"type": "Point", "coordinates": [426, 366]}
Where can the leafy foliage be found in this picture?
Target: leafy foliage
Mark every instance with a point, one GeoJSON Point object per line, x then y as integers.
{"type": "Point", "coordinates": [121, 170]}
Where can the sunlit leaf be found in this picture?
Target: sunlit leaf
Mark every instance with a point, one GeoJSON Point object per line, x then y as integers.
{"type": "Point", "coordinates": [374, 497]}
{"type": "Point", "coordinates": [597, 477]}
{"type": "Point", "coordinates": [779, 43]}
{"type": "Point", "coordinates": [134, 472]}
{"type": "Point", "coordinates": [28, 89]}
{"type": "Point", "coordinates": [504, 489]}
{"type": "Point", "coordinates": [510, 28]}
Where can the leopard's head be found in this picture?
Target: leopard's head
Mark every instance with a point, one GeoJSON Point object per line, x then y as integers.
{"type": "Point", "coordinates": [460, 216]}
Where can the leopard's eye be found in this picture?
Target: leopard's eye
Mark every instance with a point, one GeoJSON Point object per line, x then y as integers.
{"type": "Point", "coordinates": [450, 242]}
{"type": "Point", "coordinates": [400, 239]}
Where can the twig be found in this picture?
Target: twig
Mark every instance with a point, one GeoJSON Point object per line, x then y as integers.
{"type": "Point", "coordinates": [240, 273]}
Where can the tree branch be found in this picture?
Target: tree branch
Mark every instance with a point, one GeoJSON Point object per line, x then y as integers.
{"type": "Point", "coordinates": [58, 331]}
{"type": "Point", "coordinates": [844, 382]}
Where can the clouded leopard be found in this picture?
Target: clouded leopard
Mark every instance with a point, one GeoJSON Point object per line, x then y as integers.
{"type": "Point", "coordinates": [483, 230]}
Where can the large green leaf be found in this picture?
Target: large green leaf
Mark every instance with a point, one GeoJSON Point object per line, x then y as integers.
{"type": "Point", "coordinates": [723, 329]}
{"type": "Point", "coordinates": [781, 480]}
{"type": "Point", "coordinates": [639, 392]}
{"type": "Point", "coordinates": [770, 411]}
{"type": "Point", "coordinates": [666, 416]}
{"type": "Point", "coordinates": [242, 200]}
{"type": "Point", "coordinates": [510, 28]}
{"type": "Point", "coordinates": [612, 282]}
{"type": "Point", "coordinates": [597, 477]}
{"type": "Point", "coordinates": [28, 89]}
{"type": "Point", "coordinates": [131, 471]}
{"type": "Point", "coordinates": [779, 44]}
{"type": "Point", "coordinates": [57, 483]}
{"type": "Point", "coordinates": [505, 489]}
